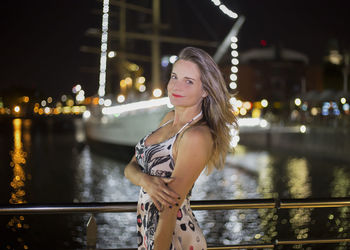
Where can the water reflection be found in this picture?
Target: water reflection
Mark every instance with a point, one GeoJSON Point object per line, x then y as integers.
{"type": "Point", "coordinates": [339, 221]}
{"type": "Point", "coordinates": [240, 179]}
{"type": "Point", "coordinates": [267, 189]}
{"type": "Point", "coordinates": [87, 177]}
{"type": "Point", "coordinates": [102, 179]}
{"type": "Point", "coordinates": [18, 193]}
{"type": "Point", "coordinates": [299, 187]}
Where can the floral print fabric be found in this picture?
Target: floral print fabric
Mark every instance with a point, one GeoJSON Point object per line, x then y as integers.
{"type": "Point", "coordinates": [157, 160]}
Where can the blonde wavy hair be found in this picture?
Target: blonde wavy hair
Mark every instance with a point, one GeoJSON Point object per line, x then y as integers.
{"type": "Point", "coordinates": [217, 110]}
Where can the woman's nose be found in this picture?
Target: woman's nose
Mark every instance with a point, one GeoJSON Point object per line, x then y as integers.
{"type": "Point", "coordinates": [177, 84]}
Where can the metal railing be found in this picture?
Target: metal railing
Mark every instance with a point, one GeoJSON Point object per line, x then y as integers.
{"type": "Point", "coordinates": [120, 207]}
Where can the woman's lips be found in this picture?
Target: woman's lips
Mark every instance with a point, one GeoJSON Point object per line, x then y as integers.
{"type": "Point", "coordinates": [175, 95]}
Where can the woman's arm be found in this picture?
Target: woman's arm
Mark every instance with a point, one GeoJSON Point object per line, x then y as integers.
{"type": "Point", "coordinates": [193, 153]}
{"type": "Point", "coordinates": [156, 187]}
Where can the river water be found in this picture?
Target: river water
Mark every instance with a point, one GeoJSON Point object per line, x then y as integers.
{"type": "Point", "coordinates": [42, 163]}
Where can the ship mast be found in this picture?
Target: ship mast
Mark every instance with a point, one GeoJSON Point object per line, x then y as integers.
{"type": "Point", "coordinates": [155, 38]}
{"type": "Point", "coordinates": [156, 45]}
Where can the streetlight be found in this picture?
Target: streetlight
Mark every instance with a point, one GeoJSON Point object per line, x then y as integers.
{"type": "Point", "coordinates": [157, 92]}
{"type": "Point", "coordinates": [297, 101]}
{"type": "Point", "coordinates": [17, 109]}
{"type": "Point", "coordinates": [264, 103]}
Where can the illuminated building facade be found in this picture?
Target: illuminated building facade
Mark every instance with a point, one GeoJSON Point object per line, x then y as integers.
{"type": "Point", "coordinates": [275, 74]}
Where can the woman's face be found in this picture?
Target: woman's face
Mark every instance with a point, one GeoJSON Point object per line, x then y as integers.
{"type": "Point", "coordinates": [185, 86]}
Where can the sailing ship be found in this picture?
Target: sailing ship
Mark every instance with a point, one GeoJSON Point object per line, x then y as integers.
{"type": "Point", "coordinates": [121, 126]}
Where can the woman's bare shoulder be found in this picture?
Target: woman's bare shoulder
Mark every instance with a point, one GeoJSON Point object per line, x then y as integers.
{"type": "Point", "coordinates": [167, 117]}
{"type": "Point", "coordinates": [196, 144]}
{"type": "Point", "coordinates": [199, 134]}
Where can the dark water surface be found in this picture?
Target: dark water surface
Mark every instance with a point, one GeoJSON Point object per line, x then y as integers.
{"type": "Point", "coordinates": [43, 163]}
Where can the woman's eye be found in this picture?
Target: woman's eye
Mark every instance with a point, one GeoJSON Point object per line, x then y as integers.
{"type": "Point", "coordinates": [173, 76]}
{"type": "Point", "coordinates": [189, 82]}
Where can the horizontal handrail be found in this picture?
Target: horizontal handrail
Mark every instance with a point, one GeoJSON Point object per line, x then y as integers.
{"type": "Point", "coordinates": [269, 245]}
{"type": "Point", "coordinates": [119, 207]}
{"type": "Point", "coordinates": [248, 246]}
{"type": "Point", "coordinates": [311, 241]}
{"type": "Point", "coordinates": [315, 203]}
{"type": "Point", "coordinates": [280, 242]}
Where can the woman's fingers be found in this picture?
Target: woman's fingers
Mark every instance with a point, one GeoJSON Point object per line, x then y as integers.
{"type": "Point", "coordinates": [161, 194]}
{"type": "Point", "coordinates": [161, 207]}
{"type": "Point", "coordinates": [166, 200]}
{"type": "Point", "coordinates": [169, 191]}
{"type": "Point", "coordinates": [158, 205]}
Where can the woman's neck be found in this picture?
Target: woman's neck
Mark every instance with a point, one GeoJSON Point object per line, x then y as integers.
{"type": "Point", "coordinates": [185, 115]}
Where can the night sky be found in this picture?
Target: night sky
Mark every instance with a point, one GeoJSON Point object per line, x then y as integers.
{"type": "Point", "coordinates": [41, 40]}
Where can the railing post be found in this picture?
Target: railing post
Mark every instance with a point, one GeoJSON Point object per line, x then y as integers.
{"type": "Point", "coordinates": [91, 233]}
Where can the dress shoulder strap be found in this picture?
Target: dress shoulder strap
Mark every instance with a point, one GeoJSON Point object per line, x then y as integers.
{"type": "Point", "coordinates": [188, 123]}
{"type": "Point", "coordinates": [165, 123]}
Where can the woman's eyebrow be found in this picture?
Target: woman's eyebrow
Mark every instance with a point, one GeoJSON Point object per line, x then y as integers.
{"type": "Point", "coordinates": [190, 78]}
{"type": "Point", "coordinates": [186, 77]}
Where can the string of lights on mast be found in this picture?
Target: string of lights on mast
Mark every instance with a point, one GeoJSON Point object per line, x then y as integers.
{"type": "Point", "coordinates": [234, 45]}
{"type": "Point", "coordinates": [103, 58]}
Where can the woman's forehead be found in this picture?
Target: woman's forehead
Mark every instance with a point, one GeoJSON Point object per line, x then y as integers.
{"type": "Point", "coordinates": [186, 69]}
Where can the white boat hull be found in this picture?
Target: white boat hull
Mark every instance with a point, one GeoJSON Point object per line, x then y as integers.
{"type": "Point", "coordinates": [127, 128]}
{"type": "Point", "coordinates": [125, 125]}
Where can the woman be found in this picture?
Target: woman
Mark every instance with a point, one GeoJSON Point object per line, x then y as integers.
{"type": "Point", "coordinates": [167, 162]}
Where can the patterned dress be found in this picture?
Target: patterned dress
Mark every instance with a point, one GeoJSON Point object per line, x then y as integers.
{"type": "Point", "coordinates": [157, 160]}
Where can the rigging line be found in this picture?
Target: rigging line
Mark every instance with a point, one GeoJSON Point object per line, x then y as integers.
{"type": "Point", "coordinates": [202, 20]}
{"type": "Point", "coordinates": [224, 9]}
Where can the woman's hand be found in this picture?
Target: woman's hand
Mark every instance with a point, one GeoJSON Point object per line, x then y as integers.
{"type": "Point", "coordinates": [157, 188]}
